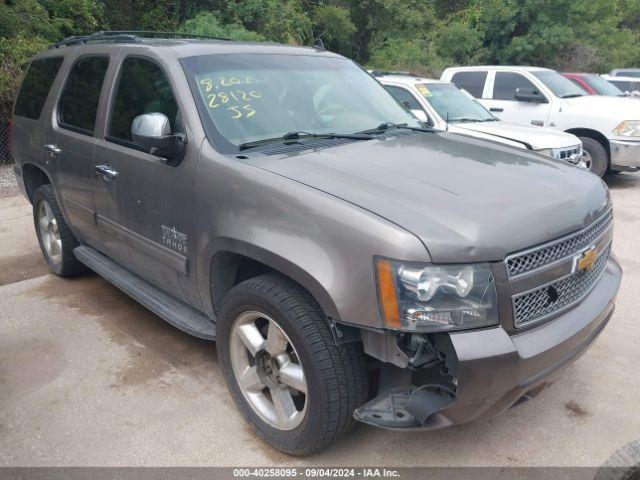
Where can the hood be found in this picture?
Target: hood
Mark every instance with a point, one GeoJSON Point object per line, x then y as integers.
{"type": "Point", "coordinates": [466, 199]}
{"type": "Point", "coordinates": [615, 109]}
{"type": "Point", "coordinates": [536, 137]}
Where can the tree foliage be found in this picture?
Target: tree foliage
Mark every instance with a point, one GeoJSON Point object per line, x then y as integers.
{"type": "Point", "coordinates": [420, 35]}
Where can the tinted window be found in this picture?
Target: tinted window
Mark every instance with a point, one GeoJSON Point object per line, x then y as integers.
{"type": "Point", "coordinates": [472, 82]}
{"type": "Point", "coordinates": [36, 85]}
{"type": "Point", "coordinates": [623, 85]}
{"type": "Point", "coordinates": [404, 97]}
{"type": "Point", "coordinates": [628, 73]}
{"type": "Point", "coordinates": [79, 102]}
{"type": "Point", "coordinates": [506, 84]}
{"type": "Point", "coordinates": [143, 88]}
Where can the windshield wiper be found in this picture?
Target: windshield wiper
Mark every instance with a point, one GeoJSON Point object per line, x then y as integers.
{"type": "Point", "coordinates": [463, 120]}
{"type": "Point", "coordinates": [572, 95]}
{"type": "Point", "coordinates": [383, 127]}
{"type": "Point", "coordinates": [301, 135]}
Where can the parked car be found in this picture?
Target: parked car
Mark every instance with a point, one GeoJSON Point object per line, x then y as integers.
{"type": "Point", "coordinates": [348, 262]}
{"type": "Point", "coordinates": [594, 84]}
{"type": "Point", "coordinates": [626, 72]}
{"type": "Point", "coordinates": [608, 127]}
{"type": "Point", "coordinates": [444, 106]}
{"type": "Point", "coordinates": [629, 86]}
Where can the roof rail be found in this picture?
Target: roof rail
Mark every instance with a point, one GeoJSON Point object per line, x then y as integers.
{"type": "Point", "coordinates": [380, 73]}
{"type": "Point", "coordinates": [125, 36]}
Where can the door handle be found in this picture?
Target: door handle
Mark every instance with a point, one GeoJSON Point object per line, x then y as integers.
{"type": "Point", "coordinates": [106, 171]}
{"type": "Point", "coordinates": [52, 149]}
{"type": "Point", "coordinates": [496, 109]}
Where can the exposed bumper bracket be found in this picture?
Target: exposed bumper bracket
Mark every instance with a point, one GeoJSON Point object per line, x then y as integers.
{"type": "Point", "coordinates": [405, 407]}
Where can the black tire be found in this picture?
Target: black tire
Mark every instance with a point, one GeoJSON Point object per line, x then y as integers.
{"type": "Point", "coordinates": [624, 464]}
{"type": "Point", "coordinates": [336, 375]}
{"type": "Point", "coordinates": [599, 156]}
{"type": "Point", "coordinates": [68, 264]}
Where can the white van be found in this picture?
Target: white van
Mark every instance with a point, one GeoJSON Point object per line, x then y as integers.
{"type": "Point", "coordinates": [609, 127]}
{"type": "Point", "coordinates": [444, 106]}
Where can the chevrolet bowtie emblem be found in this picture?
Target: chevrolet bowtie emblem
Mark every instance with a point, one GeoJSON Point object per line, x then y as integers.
{"type": "Point", "coordinates": [588, 258]}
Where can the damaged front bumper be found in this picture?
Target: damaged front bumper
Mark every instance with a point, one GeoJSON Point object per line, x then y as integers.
{"type": "Point", "coordinates": [492, 369]}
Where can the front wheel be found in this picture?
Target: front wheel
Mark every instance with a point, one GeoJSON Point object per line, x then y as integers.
{"type": "Point", "coordinates": [283, 368]}
{"type": "Point", "coordinates": [594, 156]}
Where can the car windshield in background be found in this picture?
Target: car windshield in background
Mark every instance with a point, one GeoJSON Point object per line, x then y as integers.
{"type": "Point", "coordinates": [559, 85]}
{"type": "Point", "coordinates": [602, 87]}
{"type": "Point", "coordinates": [247, 98]}
{"type": "Point", "coordinates": [453, 104]}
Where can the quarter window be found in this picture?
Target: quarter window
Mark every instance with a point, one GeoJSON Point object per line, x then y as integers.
{"type": "Point", "coordinates": [35, 87]}
{"type": "Point", "coordinates": [472, 82]}
{"type": "Point", "coordinates": [507, 83]}
{"type": "Point", "coordinates": [81, 95]}
{"type": "Point", "coordinates": [143, 88]}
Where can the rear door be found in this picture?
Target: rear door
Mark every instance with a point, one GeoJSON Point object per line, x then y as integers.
{"type": "Point", "coordinates": [69, 143]}
{"type": "Point", "coordinates": [146, 209]}
{"type": "Point", "coordinates": [501, 100]}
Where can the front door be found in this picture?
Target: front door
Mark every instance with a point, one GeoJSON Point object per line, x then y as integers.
{"type": "Point", "coordinates": [503, 104]}
{"type": "Point", "coordinates": [69, 143]}
{"type": "Point", "coordinates": [145, 207]}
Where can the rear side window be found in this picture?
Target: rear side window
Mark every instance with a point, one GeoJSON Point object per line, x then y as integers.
{"type": "Point", "coordinates": [507, 83]}
{"type": "Point", "coordinates": [35, 87]}
{"type": "Point", "coordinates": [472, 82]}
{"type": "Point", "coordinates": [404, 97]}
{"type": "Point", "coordinates": [79, 101]}
{"type": "Point", "coordinates": [143, 88]}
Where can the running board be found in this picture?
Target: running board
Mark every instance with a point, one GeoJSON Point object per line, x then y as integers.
{"type": "Point", "coordinates": [174, 311]}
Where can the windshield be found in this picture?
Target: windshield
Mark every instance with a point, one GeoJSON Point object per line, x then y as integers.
{"type": "Point", "coordinates": [453, 104]}
{"type": "Point", "coordinates": [602, 87]}
{"type": "Point", "coordinates": [247, 97]}
{"type": "Point", "coordinates": [559, 85]}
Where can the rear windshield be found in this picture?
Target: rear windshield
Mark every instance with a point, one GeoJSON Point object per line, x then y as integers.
{"type": "Point", "coordinates": [248, 97]}
{"type": "Point", "coordinates": [602, 87]}
{"type": "Point", "coordinates": [35, 87]}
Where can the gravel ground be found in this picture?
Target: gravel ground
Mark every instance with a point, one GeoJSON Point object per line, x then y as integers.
{"type": "Point", "coordinates": [8, 185]}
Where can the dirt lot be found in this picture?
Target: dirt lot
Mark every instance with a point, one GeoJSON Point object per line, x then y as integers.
{"type": "Point", "coordinates": [88, 377]}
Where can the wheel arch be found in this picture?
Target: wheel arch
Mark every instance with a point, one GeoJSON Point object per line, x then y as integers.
{"type": "Point", "coordinates": [33, 177]}
{"type": "Point", "coordinates": [234, 261]}
{"type": "Point", "coordinates": [596, 135]}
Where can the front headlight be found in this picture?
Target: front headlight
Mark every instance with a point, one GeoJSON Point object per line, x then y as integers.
{"type": "Point", "coordinates": [628, 128]}
{"type": "Point", "coordinates": [436, 298]}
{"type": "Point", "coordinates": [546, 151]}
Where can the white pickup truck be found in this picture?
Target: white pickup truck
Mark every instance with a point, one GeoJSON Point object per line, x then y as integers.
{"type": "Point", "coordinates": [444, 106]}
{"type": "Point", "coordinates": [609, 127]}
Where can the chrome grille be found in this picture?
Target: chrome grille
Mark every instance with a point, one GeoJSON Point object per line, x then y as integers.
{"type": "Point", "coordinates": [532, 259]}
{"type": "Point", "coordinates": [567, 153]}
{"type": "Point", "coordinates": [535, 305]}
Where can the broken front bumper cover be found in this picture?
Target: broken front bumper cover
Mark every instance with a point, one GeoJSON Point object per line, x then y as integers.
{"type": "Point", "coordinates": [495, 370]}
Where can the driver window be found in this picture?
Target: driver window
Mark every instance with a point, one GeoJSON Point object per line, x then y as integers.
{"type": "Point", "coordinates": [408, 101]}
{"type": "Point", "coordinates": [143, 88]}
{"type": "Point", "coordinates": [506, 84]}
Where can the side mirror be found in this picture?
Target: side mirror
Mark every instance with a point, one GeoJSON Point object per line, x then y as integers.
{"type": "Point", "coordinates": [529, 94]}
{"type": "Point", "coordinates": [152, 132]}
{"type": "Point", "coordinates": [422, 116]}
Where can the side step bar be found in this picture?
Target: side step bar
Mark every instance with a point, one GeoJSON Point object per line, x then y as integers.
{"type": "Point", "coordinates": [174, 311]}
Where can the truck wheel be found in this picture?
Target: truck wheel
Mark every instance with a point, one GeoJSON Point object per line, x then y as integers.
{"type": "Point", "coordinates": [624, 464]}
{"type": "Point", "coordinates": [283, 368]}
{"type": "Point", "coordinates": [594, 158]}
{"type": "Point", "coordinates": [54, 236]}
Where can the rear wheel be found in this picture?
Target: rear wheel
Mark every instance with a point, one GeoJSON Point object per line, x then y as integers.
{"type": "Point", "coordinates": [54, 236]}
{"type": "Point", "coordinates": [594, 156]}
{"type": "Point", "coordinates": [283, 368]}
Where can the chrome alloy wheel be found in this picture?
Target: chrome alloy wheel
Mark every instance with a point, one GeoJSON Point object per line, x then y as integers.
{"type": "Point", "coordinates": [268, 370]}
{"type": "Point", "coordinates": [49, 232]}
{"type": "Point", "coordinates": [585, 162]}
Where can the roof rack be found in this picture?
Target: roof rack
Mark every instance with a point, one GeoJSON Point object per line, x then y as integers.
{"type": "Point", "coordinates": [126, 36]}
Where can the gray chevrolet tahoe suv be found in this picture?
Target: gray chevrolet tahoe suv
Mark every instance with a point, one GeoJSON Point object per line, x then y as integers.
{"type": "Point", "coordinates": [350, 263]}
